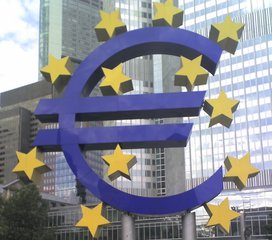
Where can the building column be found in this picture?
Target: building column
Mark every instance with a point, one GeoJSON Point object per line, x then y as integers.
{"type": "Point", "coordinates": [189, 226]}
{"type": "Point", "coordinates": [128, 227]}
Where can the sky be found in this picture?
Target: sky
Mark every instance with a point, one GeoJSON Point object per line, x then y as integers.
{"type": "Point", "coordinates": [19, 41]}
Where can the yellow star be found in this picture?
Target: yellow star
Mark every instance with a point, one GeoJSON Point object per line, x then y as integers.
{"type": "Point", "coordinates": [119, 163]}
{"type": "Point", "coordinates": [30, 166]}
{"type": "Point", "coordinates": [109, 26]}
{"type": "Point", "coordinates": [167, 15]}
{"type": "Point", "coordinates": [57, 70]}
{"type": "Point", "coordinates": [220, 109]}
{"type": "Point", "coordinates": [227, 34]}
{"type": "Point", "coordinates": [115, 81]}
{"type": "Point", "coordinates": [239, 170]}
{"type": "Point", "coordinates": [191, 73]}
{"type": "Point", "coordinates": [221, 215]}
{"type": "Point", "coordinates": [92, 219]}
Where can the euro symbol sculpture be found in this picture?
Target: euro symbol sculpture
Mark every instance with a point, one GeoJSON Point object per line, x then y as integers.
{"type": "Point", "coordinates": [69, 139]}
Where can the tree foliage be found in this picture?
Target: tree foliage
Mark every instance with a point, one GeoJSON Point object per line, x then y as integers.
{"type": "Point", "coordinates": [2, 225]}
{"type": "Point", "coordinates": [24, 216]}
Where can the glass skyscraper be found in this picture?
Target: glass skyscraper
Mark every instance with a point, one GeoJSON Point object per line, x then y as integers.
{"type": "Point", "coordinates": [67, 29]}
{"type": "Point", "coordinates": [244, 76]}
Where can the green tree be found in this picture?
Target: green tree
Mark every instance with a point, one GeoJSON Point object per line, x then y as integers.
{"type": "Point", "coordinates": [2, 225]}
{"type": "Point", "coordinates": [24, 216]}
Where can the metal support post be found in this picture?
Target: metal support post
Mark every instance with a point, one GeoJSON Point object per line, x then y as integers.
{"type": "Point", "coordinates": [189, 226]}
{"type": "Point", "coordinates": [128, 227]}
{"type": "Point", "coordinates": [242, 226]}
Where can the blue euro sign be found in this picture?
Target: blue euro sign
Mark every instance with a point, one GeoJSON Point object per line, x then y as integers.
{"type": "Point", "coordinates": [74, 106]}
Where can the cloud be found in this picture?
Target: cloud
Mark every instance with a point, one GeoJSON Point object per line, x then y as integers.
{"type": "Point", "coordinates": [19, 37]}
{"type": "Point", "coordinates": [18, 66]}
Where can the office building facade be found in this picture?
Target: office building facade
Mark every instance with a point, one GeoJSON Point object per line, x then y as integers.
{"type": "Point", "coordinates": [149, 175]}
{"type": "Point", "coordinates": [62, 221]}
{"type": "Point", "coordinates": [143, 174]}
{"type": "Point", "coordinates": [244, 76]}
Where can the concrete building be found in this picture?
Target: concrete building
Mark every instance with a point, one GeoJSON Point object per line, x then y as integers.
{"type": "Point", "coordinates": [18, 126]}
{"type": "Point", "coordinates": [7, 191]}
